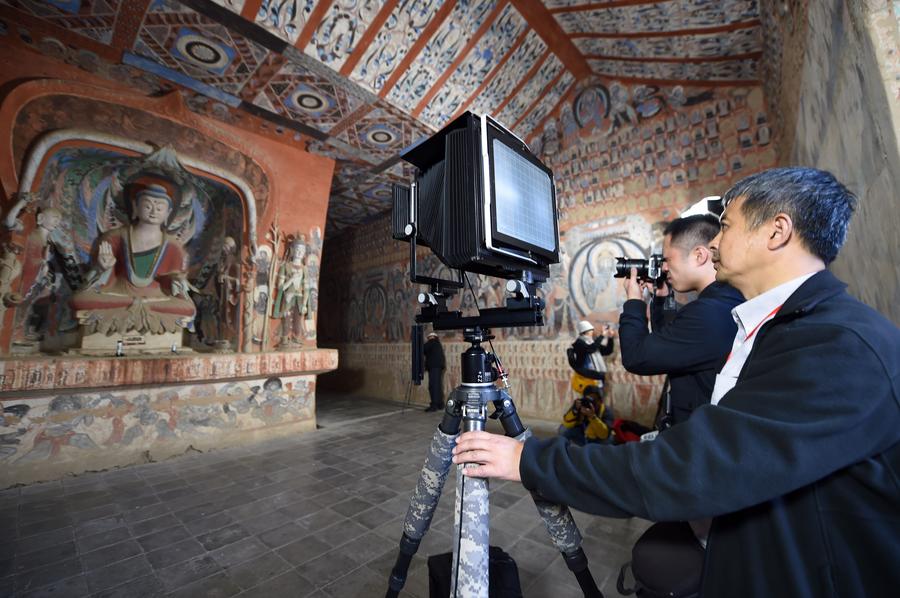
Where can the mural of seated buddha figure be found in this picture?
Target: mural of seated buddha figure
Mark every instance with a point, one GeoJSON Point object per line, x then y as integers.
{"type": "Point", "coordinates": [137, 282]}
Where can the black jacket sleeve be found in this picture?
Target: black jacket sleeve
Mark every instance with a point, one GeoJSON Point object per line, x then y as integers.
{"type": "Point", "coordinates": [685, 345]}
{"type": "Point", "coordinates": [782, 427]}
{"type": "Point", "coordinates": [606, 349]}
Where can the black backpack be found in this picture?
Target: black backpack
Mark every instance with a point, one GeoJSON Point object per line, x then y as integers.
{"type": "Point", "coordinates": [503, 575]}
{"type": "Point", "coordinates": [666, 561]}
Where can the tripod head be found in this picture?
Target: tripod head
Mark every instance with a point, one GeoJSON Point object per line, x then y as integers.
{"type": "Point", "coordinates": [477, 364]}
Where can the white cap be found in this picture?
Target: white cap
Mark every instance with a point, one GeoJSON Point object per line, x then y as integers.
{"type": "Point", "coordinates": [584, 326]}
{"type": "Point", "coordinates": [432, 334]}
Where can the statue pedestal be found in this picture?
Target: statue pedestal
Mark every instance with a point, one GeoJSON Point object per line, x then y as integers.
{"type": "Point", "coordinates": [133, 343]}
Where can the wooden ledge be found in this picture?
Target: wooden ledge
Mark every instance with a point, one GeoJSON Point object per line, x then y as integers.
{"type": "Point", "coordinates": [27, 373]}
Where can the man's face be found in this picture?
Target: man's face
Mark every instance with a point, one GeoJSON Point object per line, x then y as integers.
{"type": "Point", "coordinates": [737, 251]}
{"type": "Point", "coordinates": [677, 265]}
{"type": "Point", "coordinates": [153, 210]}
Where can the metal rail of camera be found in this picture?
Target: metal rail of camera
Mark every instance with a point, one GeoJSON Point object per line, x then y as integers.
{"type": "Point", "coordinates": [467, 409]}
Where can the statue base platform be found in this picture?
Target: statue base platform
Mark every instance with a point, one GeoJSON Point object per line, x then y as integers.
{"type": "Point", "coordinates": [133, 343]}
{"type": "Point", "coordinates": [222, 346]}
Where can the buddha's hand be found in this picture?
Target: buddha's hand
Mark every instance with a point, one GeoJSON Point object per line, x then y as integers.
{"type": "Point", "coordinates": [105, 257]}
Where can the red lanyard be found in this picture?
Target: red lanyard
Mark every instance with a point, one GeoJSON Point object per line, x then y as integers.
{"type": "Point", "coordinates": [761, 322]}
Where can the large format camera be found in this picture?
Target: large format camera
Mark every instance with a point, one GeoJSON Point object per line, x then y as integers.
{"type": "Point", "coordinates": [649, 270]}
{"type": "Point", "coordinates": [483, 203]}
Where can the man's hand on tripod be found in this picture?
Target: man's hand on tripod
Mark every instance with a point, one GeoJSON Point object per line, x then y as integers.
{"type": "Point", "coordinates": [496, 456]}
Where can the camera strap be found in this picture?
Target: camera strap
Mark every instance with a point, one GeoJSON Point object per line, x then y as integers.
{"type": "Point", "coordinates": [663, 419]}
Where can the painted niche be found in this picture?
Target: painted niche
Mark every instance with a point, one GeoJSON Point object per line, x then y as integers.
{"type": "Point", "coordinates": [132, 249]}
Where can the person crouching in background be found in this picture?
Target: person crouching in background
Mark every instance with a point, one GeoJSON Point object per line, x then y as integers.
{"type": "Point", "coordinates": [589, 420]}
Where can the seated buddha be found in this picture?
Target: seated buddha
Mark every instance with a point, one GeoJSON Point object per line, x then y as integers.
{"type": "Point", "coordinates": [138, 281]}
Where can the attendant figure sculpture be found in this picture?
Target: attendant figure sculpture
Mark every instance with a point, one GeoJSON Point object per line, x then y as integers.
{"type": "Point", "coordinates": [40, 278]}
{"type": "Point", "coordinates": [137, 282]}
{"type": "Point", "coordinates": [292, 299]}
{"type": "Point", "coordinates": [228, 287]}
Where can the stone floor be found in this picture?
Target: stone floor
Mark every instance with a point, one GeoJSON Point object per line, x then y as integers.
{"type": "Point", "coordinates": [317, 515]}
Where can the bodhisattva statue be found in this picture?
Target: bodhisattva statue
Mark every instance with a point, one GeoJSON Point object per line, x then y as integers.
{"type": "Point", "coordinates": [138, 279]}
{"type": "Point", "coordinates": [292, 300]}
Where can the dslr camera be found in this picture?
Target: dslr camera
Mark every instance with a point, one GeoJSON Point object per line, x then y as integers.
{"type": "Point", "coordinates": [649, 270]}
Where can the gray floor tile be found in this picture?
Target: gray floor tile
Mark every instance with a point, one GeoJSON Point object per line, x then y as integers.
{"type": "Point", "coordinates": [341, 532]}
{"type": "Point", "coordinates": [372, 518]}
{"type": "Point", "coordinates": [207, 524]}
{"type": "Point", "coordinates": [95, 541]}
{"type": "Point", "coordinates": [223, 536]}
{"type": "Point", "coordinates": [154, 524]}
{"type": "Point", "coordinates": [71, 587]}
{"type": "Point", "coordinates": [163, 538]}
{"type": "Point", "coordinates": [122, 572]}
{"type": "Point", "coordinates": [320, 520]}
{"type": "Point", "coordinates": [218, 585]}
{"type": "Point", "coordinates": [361, 583]}
{"type": "Point", "coordinates": [45, 556]}
{"type": "Point", "coordinates": [50, 574]}
{"type": "Point", "coordinates": [39, 541]}
{"type": "Point", "coordinates": [282, 535]}
{"type": "Point", "coordinates": [177, 553]}
{"type": "Point", "coordinates": [188, 572]}
{"type": "Point", "coordinates": [351, 506]}
{"type": "Point", "coordinates": [240, 551]}
{"type": "Point", "coordinates": [267, 521]}
{"type": "Point", "coordinates": [290, 583]}
{"type": "Point", "coordinates": [256, 571]}
{"type": "Point", "coordinates": [145, 586]}
{"type": "Point", "coordinates": [327, 568]}
{"type": "Point", "coordinates": [102, 557]}
{"type": "Point", "coordinates": [303, 550]}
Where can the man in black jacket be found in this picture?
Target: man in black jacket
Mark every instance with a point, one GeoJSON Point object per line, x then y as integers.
{"type": "Point", "coordinates": [689, 348]}
{"type": "Point", "coordinates": [435, 364]}
{"type": "Point", "coordinates": [798, 459]}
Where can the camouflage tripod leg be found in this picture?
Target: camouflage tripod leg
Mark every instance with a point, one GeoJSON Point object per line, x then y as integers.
{"type": "Point", "coordinates": [469, 572]}
{"type": "Point", "coordinates": [427, 494]}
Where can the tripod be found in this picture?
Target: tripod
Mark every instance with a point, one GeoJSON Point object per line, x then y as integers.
{"type": "Point", "coordinates": [467, 407]}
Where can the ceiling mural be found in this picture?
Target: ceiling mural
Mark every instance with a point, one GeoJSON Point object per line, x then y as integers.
{"type": "Point", "coordinates": [360, 80]}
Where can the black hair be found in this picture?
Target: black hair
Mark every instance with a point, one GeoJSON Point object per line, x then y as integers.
{"type": "Point", "coordinates": [691, 231]}
{"type": "Point", "coordinates": [820, 207]}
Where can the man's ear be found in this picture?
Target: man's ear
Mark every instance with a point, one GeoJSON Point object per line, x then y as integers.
{"type": "Point", "coordinates": [780, 231]}
{"type": "Point", "coordinates": [701, 255]}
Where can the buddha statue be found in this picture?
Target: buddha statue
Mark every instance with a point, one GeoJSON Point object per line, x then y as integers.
{"type": "Point", "coordinates": [137, 281]}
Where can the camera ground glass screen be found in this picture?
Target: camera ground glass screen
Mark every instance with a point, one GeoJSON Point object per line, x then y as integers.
{"type": "Point", "coordinates": [524, 199]}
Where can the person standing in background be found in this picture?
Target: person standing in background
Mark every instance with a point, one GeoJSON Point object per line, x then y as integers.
{"type": "Point", "coordinates": [589, 352]}
{"type": "Point", "coordinates": [435, 364]}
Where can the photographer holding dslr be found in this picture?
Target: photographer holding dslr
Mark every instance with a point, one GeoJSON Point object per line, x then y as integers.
{"type": "Point", "coordinates": [588, 420]}
{"type": "Point", "coordinates": [692, 345]}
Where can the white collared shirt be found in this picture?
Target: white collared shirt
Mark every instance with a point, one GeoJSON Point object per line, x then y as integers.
{"type": "Point", "coordinates": [749, 317]}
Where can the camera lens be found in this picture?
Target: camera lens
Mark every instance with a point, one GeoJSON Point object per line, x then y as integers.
{"type": "Point", "coordinates": [624, 266]}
